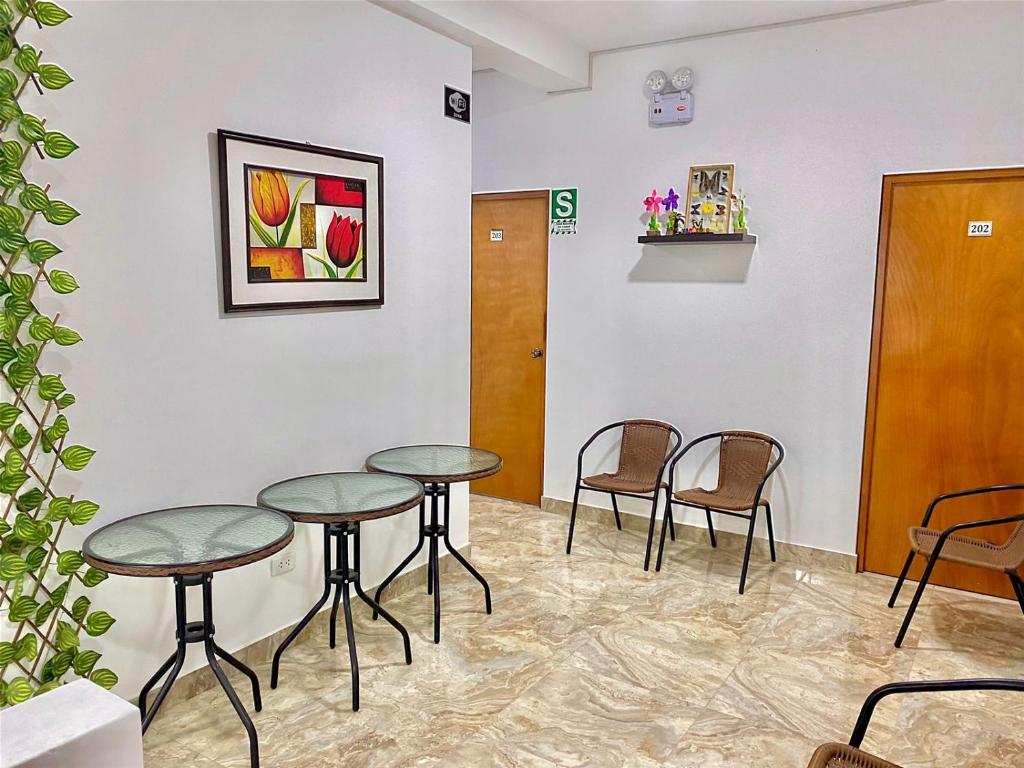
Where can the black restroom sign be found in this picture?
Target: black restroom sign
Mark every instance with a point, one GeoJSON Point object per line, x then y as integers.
{"type": "Point", "coordinates": [456, 104]}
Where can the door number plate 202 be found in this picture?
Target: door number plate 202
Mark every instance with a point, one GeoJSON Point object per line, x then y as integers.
{"type": "Point", "coordinates": [979, 229]}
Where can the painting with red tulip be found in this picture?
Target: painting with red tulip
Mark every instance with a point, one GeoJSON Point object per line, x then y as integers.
{"type": "Point", "coordinates": [301, 225]}
{"type": "Point", "coordinates": [305, 226]}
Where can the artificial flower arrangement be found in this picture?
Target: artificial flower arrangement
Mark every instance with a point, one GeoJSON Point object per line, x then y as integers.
{"type": "Point", "coordinates": [653, 205]}
{"type": "Point", "coordinates": [707, 215]}
{"type": "Point", "coordinates": [739, 213]}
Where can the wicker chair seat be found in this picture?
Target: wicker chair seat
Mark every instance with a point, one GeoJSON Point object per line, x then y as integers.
{"type": "Point", "coordinates": [619, 483]}
{"type": "Point", "coordinates": [845, 756]}
{"type": "Point", "coordinates": [968, 550]}
{"type": "Point", "coordinates": [743, 461]}
{"type": "Point", "coordinates": [717, 499]}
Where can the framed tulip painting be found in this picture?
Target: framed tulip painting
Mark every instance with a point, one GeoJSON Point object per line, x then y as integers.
{"type": "Point", "coordinates": [301, 226]}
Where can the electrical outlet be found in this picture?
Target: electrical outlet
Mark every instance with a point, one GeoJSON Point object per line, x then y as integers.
{"type": "Point", "coordinates": [282, 562]}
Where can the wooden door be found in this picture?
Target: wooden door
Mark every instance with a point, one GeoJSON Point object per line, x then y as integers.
{"type": "Point", "coordinates": [946, 388]}
{"type": "Point", "coordinates": [510, 286]}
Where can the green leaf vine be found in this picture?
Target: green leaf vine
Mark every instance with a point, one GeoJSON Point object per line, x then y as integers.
{"type": "Point", "coordinates": [43, 612]}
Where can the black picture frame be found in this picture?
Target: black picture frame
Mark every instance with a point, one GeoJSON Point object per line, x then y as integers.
{"type": "Point", "coordinates": [230, 302]}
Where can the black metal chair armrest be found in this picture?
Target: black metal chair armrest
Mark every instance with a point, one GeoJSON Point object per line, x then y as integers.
{"type": "Point", "coordinates": [590, 440]}
{"type": "Point", "coordinates": [971, 492]}
{"type": "Point", "coordinates": [926, 686]}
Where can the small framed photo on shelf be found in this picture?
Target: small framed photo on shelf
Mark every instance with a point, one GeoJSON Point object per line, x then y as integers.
{"type": "Point", "coordinates": [709, 198]}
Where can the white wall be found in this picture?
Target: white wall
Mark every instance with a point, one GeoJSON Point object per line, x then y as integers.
{"type": "Point", "coordinates": [707, 337]}
{"type": "Point", "coordinates": [187, 406]}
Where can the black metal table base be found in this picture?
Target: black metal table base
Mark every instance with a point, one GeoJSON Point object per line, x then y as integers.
{"type": "Point", "coordinates": [434, 532]}
{"type": "Point", "coordinates": [201, 632]}
{"type": "Point", "coordinates": [339, 578]}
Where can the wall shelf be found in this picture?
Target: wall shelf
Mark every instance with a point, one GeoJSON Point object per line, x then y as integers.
{"type": "Point", "coordinates": [697, 237]}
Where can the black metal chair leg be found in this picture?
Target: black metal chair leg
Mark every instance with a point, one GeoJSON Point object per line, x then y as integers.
{"type": "Point", "coordinates": [401, 566]}
{"type": "Point", "coordinates": [572, 517]}
{"type": "Point", "coordinates": [1018, 588]}
{"type": "Point", "coordinates": [153, 680]}
{"type": "Point", "coordinates": [615, 509]}
{"type": "Point", "coordinates": [350, 632]}
{"type": "Point", "coordinates": [917, 599]}
{"type": "Point", "coordinates": [661, 540]}
{"type": "Point", "coordinates": [901, 579]}
{"type": "Point", "coordinates": [746, 554]}
{"type": "Point", "coordinates": [671, 523]}
{"type": "Point", "coordinates": [771, 532]}
{"type": "Point", "coordinates": [711, 527]}
{"type": "Point", "coordinates": [256, 698]}
{"type": "Point", "coordinates": [650, 532]}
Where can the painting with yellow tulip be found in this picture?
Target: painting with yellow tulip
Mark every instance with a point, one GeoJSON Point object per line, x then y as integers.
{"type": "Point", "coordinates": [304, 226]}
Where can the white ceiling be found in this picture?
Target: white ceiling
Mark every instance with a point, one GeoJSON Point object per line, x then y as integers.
{"type": "Point", "coordinates": [598, 25]}
{"type": "Point", "coordinates": [549, 43]}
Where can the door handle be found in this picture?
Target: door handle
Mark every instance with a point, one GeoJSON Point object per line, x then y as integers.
{"type": "Point", "coordinates": [537, 352]}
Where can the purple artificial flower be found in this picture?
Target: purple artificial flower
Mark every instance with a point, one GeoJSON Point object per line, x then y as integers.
{"type": "Point", "coordinates": [671, 200]}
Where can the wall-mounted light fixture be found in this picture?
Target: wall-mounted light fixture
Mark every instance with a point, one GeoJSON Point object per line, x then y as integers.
{"type": "Point", "coordinates": [670, 99]}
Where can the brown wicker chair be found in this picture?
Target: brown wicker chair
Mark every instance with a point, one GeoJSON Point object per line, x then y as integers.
{"type": "Point", "coordinates": [1007, 557]}
{"type": "Point", "coordinates": [744, 466]}
{"type": "Point", "coordinates": [647, 445]}
{"type": "Point", "coordinates": [851, 756]}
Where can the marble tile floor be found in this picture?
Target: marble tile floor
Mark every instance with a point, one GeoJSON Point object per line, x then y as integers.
{"type": "Point", "coordinates": [589, 661]}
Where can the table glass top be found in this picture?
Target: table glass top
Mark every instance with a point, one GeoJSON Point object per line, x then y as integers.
{"type": "Point", "coordinates": [426, 461]}
{"type": "Point", "coordinates": [188, 535]}
{"type": "Point", "coordinates": [340, 493]}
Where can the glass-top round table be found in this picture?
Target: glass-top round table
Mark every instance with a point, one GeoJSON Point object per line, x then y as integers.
{"type": "Point", "coordinates": [340, 501]}
{"type": "Point", "coordinates": [339, 497]}
{"type": "Point", "coordinates": [436, 463]}
{"type": "Point", "coordinates": [190, 544]}
{"type": "Point", "coordinates": [186, 541]}
{"type": "Point", "coordinates": [437, 466]}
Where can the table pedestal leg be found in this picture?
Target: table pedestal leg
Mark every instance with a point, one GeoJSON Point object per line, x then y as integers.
{"type": "Point", "coordinates": [276, 666]}
{"type": "Point", "coordinates": [201, 632]}
{"type": "Point", "coordinates": [339, 578]}
{"type": "Point", "coordinates": [408, 559]}
{"type": "Point", "coordinates": [458, 555]}
{"type": "Point", "coordinates": [436, 533]}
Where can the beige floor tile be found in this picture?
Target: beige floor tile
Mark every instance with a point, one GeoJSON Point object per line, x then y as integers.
{"type": "Point", "coordinates": [718, 740]}
{"type": "Point", "coordinates": [588, 660]}
{"type": "Point", "coordinates": [170, 754]}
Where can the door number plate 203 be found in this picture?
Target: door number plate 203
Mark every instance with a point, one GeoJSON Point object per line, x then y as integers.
{"type": "Point", "coordinates": [979, 229]}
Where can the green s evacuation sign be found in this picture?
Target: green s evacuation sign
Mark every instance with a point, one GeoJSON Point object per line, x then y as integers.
{"type": "Point", "coordinates": [563, 211]}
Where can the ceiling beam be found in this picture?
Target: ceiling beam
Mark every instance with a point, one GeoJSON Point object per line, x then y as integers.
{"type": "Point", "coordinates": [502, 39]}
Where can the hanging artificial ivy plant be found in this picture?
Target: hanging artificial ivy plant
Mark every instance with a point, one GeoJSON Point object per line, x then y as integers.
{"type": "Point", "coordinates": [43, 605]}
